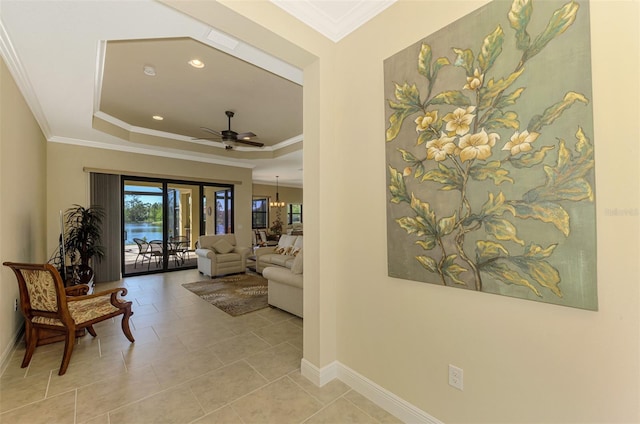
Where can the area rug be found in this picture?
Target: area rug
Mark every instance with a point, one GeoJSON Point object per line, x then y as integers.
{"type": "Point", "coordinates": [235, 294]}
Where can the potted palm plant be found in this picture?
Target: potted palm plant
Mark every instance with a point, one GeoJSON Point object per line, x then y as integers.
{"type": "Point", "coordinates": [82, 237]}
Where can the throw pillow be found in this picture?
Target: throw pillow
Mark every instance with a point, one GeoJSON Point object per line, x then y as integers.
{"type": "Point", "coordinates": [296, 267]}
{"type": "Point", "coordinates": [222, 246]}
{"type": "Point", "coordinates": [280, 250]}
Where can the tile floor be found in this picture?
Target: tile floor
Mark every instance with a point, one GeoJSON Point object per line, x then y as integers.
{"type": "Point", "coordinates": [191, 363]}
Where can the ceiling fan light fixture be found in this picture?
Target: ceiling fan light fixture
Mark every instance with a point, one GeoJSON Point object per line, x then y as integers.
{"type": "Point", "coordinates": [196, 63]}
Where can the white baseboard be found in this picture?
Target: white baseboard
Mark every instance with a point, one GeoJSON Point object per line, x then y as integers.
{"type": "Point", "coordinates": [318, 376]}
{"type": "Point", "coordinates": [8, 351]}
{"type": "Point", "coordinates": [386, 400]}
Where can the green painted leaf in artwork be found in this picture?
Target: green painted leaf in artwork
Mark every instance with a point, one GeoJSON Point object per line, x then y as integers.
{"type": "Point", "coordinates": [554, 112]}
{"type": "Point", "coordinates": [450, 178]}
{"type": "Point", "coordinates": [536, 251]}
{"type": "Point", "coordinates": [418, 170]}
{"type": "Point", "coordinates": [412, 225]}
{"type": "Point", "coordinates": [428, 243]}
{"type": "Point", "coordinates": [540, 271]}
{"type": "Point", "coordinates": [562, 19]}
{"type": "Point", "coordinates": [583, 144]}
{"type": "Point", "coordinates": [530, 159]}
{"type": "Point", "coordinates": [440, 63]}
{"type": "Point", "coordinates": [490, 92]}
{"type": "Point", "coordinates": [490, 170]}
{"type": "Point", "coordinates": [407, 95]}
{"type": "Point", "coordinates": [519, 17]}
{"type": "Point", "coordinates": [498, 119]}
{"type": "Point", "coordinates": [428, 263]}
{"type": "Point", "coordinates": [491, 49]}
{"type": "Point", "coordinates": [510, 99]}
{"type": "Point", "coordinates": [501, 229]}
{"type": "Point", "coordinates": [486, 250]}
{"type": "Point", "coordinates": [425, 215]}
{"type": "Point", "coordinates": [544, 211]}
{"type": "Point", "coordinates": [446, 225]}
{"type": "Point", "coordinates": [464, 59]}
{"type": "Point", "coordinates": [567, 179]}
{"type": "Point", "coordinates": [424, 61]}
{"type": "Point", "coordinates": [397, 188]}
{"type": "Point", "coordinates": [425, 136]}
{"type": "Point", "coordinates": [408, 156]}
{"type": "Point", "coordinates": [497, 205]}
{"type": "Point", "coordinates": [453, 270]}
{"type": "Point", "coordinates": [408, 102]}
{"type": "Point", "coordinates": [454, 97]}
{"type": "Point", "coordinates": [502, 272]}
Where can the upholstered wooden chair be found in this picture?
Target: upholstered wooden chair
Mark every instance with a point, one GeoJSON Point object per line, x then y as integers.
{"type": "Point", "coordinates": [54, 313]}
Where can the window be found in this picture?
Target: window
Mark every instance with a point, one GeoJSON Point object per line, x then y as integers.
{"type": "Point", "coordinates": [259, 211]}
{"type": "Point", "coordinates": [294, 213]}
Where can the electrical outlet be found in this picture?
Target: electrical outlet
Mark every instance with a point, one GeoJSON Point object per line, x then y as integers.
{"type": "Point", "coordinates": [15, 305]}
{"type": "Point", "coordinates": [455, 377]}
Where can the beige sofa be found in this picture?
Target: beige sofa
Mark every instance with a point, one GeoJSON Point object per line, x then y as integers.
{"type": "Point", "coordinates": [219, 255]}
{"type": "Point", "coordinates": [281, 255]}
{"type": "Point", "coordinates": [281, 265]}
{"type": "Point", "coordinates": [286, 286]}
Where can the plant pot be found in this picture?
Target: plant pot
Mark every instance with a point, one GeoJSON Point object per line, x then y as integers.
{"type": "Point", "coordinates": [85, 275]}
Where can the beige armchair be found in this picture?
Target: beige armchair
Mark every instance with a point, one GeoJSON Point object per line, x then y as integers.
{"type": "Point", "coordinates": [219, 255]}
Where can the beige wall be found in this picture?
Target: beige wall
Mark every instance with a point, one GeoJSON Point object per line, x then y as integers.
{"type": "Point", "coordinates": [523, 361]}
{"type": "Point", "coordinates": [68, 183]}
{"type": "Point", "coordinates": [23, 200]}
{"type": "Point", "coordinates": [288, 195]}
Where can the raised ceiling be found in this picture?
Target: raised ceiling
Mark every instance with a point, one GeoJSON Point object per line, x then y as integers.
{"type": "Point", "coordinates": [80, 67]}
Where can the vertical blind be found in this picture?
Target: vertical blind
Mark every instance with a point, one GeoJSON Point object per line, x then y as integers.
{"type": "Point", "coordinates": [105, 192]}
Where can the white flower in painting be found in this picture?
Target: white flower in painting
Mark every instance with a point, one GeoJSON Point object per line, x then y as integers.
{"type": "Point", "coordinates": [424, 122]}
{"type": "Point", "coordinates": [477, 146]}
{"type": "Point", "coordinates": [438, 149]}
{"type": "Point", "coordinates": [521, 142]}
{"type": "Point", "coordinates": [459, 121]}
{"type": "Point", "coordinates": [474, 82]}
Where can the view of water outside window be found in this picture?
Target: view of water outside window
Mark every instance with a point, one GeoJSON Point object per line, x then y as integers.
{"type": "Point", "coordinates": [142, 213]}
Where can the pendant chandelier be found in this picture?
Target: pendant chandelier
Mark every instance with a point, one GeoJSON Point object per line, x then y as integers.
{"type": "Point", "coordinates": [277, 203]}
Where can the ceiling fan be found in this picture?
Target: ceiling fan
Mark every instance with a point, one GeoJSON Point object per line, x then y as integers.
{"type": "Point", "coordinates": [229, 136]}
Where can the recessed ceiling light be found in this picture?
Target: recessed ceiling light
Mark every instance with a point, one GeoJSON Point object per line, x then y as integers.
{"type": "Point", "coordinates": [196, 63]}
{"type": "Point", "coordinates": [149, 70]}
{"type": "Point", "coordinates": [158, 117]}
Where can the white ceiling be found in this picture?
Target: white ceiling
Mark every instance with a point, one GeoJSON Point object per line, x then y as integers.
{"type": "Point", "coordinates": [58, 53]}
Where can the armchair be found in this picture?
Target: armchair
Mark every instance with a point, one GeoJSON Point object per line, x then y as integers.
{"type": "Point", "coordinates": [53, 313]}
{"type": "Point", "coordinates": [219, 255]}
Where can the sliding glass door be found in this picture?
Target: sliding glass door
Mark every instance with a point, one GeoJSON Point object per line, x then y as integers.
{"type": "Point", "coordinates": [217, 210]}
{"type": "Point", "coordinates": [163, 218]}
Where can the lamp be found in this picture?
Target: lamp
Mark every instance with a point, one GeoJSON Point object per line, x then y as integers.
{"type": "Point", "coordinates": [277, 203]}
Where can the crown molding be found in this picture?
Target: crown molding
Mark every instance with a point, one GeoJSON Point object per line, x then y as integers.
{"type": "Point", "coordinates": [335, 20]}
{"type": "Point", "coordinates": [11, 59]}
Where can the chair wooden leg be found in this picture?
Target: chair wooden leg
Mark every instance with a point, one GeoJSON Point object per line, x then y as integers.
{"type": "Point", "coordinates": [31, 339]}
{"type": "Point", "coordinates": [125, 325]}
{"type": "Point", "coordinates": [69, 341]}
{"type": "Point", "coordinates": [91, 331]}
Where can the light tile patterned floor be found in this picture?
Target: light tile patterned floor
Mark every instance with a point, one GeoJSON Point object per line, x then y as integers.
{"type": "Point", "coordinates": [191, 363]}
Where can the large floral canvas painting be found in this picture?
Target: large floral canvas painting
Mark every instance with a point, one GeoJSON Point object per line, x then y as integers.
{"type": "Point", "coordinates": [490, 160]}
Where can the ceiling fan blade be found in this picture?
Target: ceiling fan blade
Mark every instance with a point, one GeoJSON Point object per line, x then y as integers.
{"type": "Point", "coordinates": [249, 142]}
{"type": "Point", "coordinates": [209, 130]}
